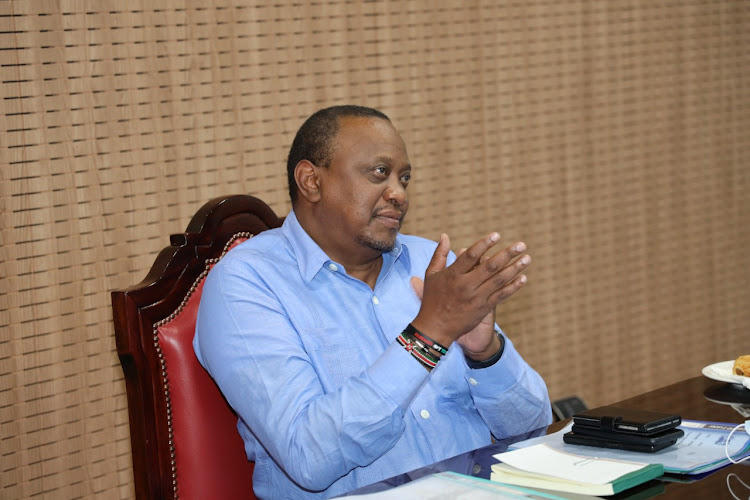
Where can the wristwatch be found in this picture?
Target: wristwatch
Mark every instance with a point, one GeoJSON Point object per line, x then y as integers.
{"type": "Point", "coordinates": [492, 360]}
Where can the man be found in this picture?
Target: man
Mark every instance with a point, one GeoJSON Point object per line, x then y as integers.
{"type": "Point", "coordinates": [344, 366]}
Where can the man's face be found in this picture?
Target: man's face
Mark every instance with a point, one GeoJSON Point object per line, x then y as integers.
{"type": "Point", "coordinates": [363, 191]}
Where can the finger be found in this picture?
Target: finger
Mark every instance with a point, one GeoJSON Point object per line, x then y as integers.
{"type": "Point", "coordinates": [504, 277]}
{"type": "Point", "coordinates": [506, 291]}
{"type": "Point", "coordinates": [484, 257]}
{"type": "Point", "coordinates": [468, 259]}
{"type": "Point", "coordinates": [440, 257]}
{"type": "Point", "coordinates": [418, 285]}
{"type": "Point", "coordinates": [501, 264]}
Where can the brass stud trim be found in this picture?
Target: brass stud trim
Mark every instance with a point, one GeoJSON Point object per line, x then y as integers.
{"type": "Point", "coordinates": [165, 379]}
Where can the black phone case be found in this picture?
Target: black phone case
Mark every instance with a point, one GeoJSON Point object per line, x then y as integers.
{"type": "Point", "coordinates": [668, 436]}
{"type": "Point", "coordinates": [626, 420]}
{"type": "Point", "coordinates": [582, 439]}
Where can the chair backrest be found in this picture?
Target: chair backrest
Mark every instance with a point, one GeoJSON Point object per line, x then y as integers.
{"type": "Point", "coordinates": [184, 435]}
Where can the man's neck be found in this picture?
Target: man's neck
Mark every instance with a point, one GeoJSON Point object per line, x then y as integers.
{"type": "Point", "coordinates": [367, 273]}
{"type": "Point", "coordinates": [361, 263]}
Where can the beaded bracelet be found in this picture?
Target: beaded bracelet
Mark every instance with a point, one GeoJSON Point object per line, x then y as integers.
{"type": "Point", "coordinates": [410, 330]}
{"type": "Point", "coordinates": [425, 350]}
{"type": "Point", "coordinates": [417, 349]}
{"type": "Point", "coordinates": [425, 359]}
{"type": "Point", "coordinates": [422, 346]}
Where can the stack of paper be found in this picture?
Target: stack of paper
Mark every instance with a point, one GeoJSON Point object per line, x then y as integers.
{"type": "Point", "coordinates": [541, 466]}
{"type": "Point", "coordinates": [699, 451]}
{"type": "Point", "coordinates": [454, 486]}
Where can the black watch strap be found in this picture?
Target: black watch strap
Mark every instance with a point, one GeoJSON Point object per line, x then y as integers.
{"type": "Point", "coordinates": [492, 360]}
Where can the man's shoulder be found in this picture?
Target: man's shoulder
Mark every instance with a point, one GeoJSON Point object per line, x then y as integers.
{"type": "Point", "coordinates": [411, 240]}
{"type": "Point", "coordinates": [266, 247]}
{"type": "Point", "coordinates": [418, 248]}
{"type": "Point", "coordinates": [421, 250]}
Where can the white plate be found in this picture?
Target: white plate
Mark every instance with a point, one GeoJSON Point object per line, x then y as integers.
{"type": "Point", "coordinates": [722, 372]}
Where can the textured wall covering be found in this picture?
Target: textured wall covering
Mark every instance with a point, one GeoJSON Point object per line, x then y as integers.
{"type": "Point", "coordinates": [612, 137]}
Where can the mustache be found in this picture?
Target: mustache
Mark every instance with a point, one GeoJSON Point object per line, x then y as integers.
{"type": "Point", "coordinates": [395, 208]}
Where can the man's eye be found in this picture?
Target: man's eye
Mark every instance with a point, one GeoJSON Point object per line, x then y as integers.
{"type": "Point", "coordinates": [405, 178]}
{"type": "Point", "coordinates": [380, 170]}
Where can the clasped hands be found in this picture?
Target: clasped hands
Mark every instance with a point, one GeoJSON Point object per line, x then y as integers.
{"type": "Point", "coordinates": [459, 301]}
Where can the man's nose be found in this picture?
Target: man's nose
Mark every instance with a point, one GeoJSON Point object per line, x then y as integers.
{"type": "Point", "coordinates": [395, 192]}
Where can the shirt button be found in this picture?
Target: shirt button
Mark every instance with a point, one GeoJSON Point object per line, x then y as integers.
{"type": "Point", "coordinates": [333, 267]}
{"type": "Point", "coordinates": [473, 381]}
{"type": "Point", "coordinates": [424, 414]}
{"type": "Point", "coordinates": [375, 300]}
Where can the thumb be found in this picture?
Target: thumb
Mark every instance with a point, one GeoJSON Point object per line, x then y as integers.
{"type": "Point", "coordinates": [418, 285]}
{"type": "Point", "coordinates": [440, 257]}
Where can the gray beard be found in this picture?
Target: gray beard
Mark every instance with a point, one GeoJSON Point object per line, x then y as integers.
{"type": "Point", "coordinates": [377, 244]}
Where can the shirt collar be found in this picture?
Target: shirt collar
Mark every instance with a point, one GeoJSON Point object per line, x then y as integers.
{"type": "Point", "coordinates": [311, 258]}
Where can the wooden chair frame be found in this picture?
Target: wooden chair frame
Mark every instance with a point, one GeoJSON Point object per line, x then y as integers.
{"type": "Point", "coordinates": [141, 309]}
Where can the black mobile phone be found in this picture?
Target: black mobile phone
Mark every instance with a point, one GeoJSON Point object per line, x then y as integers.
{"type": "Point", "coordinates": [669, 436]}
{"type": "Point", "coordinates": [586, 440]}
{"type": "Point", "coordinates": [626, 420]}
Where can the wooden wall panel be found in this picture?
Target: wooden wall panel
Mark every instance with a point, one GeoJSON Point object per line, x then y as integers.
{"type": "Point", "coordinates": [611, 136]}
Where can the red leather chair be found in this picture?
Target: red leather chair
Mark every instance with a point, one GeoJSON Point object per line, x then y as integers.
{"type": "Point", "coordinates": [184, 437]}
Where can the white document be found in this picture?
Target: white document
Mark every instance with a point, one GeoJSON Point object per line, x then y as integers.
{"type": "Point", "coordinates": [700, 450]}
{"type": "Point", "coordinates": [542, 459]}
{"type": "Point", "coordinates": [453, 486]}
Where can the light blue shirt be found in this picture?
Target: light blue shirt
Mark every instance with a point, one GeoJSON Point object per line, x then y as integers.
{"type": "Point", "coordinates": [327, 400]}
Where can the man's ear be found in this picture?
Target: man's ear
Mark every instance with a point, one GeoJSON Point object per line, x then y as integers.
{"type": "Point", "coordinates": [308, 183]}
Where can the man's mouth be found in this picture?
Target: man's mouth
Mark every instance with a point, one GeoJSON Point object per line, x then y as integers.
{"type": "Point", "coordinates": [390, 218]}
